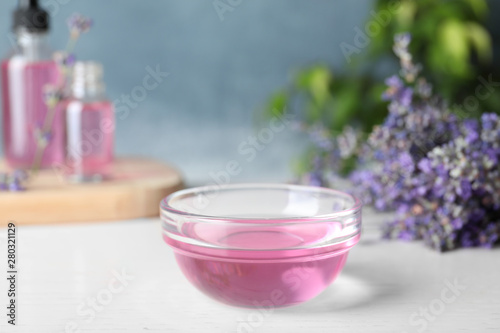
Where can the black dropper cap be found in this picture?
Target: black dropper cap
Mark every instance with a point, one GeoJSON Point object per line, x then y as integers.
{"type": "Point", "coordinates": [31, 17]}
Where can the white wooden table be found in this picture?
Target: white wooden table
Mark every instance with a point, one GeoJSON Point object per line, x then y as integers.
{"type": "Point", "coordinates": [67, 283]}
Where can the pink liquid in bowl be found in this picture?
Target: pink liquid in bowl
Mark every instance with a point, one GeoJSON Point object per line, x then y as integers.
{"type": "Point", "coordinates": [248, 277]}
{"type": "Point", "coordinates": [261, 245]}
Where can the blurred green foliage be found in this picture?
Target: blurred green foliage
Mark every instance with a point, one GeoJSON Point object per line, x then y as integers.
{"type": "Point", "coordinates": [451, 41]}
{"type": "Point", "coordinates": [449, 38]}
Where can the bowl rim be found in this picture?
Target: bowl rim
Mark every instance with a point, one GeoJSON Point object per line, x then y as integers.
{"type": "Point", "coordinates": [165, 205]}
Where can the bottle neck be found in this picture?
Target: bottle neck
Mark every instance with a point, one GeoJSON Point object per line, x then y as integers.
{"type": "Point", "coordinates": [88, 91]}
{"type": "Point", "coordinates": [33, 46]}
{"type": "Point", "coordinates": [87, 84]}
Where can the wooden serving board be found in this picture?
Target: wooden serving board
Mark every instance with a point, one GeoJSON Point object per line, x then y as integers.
{"type": "Point", "coordinates": [135, 190]}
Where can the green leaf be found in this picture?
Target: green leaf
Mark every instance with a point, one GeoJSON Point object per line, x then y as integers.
{"type": "Point", "coordinates": [481, 40]}
{"type": "Point", "coordinates": [405, 14]}
{"type": "Point", "coordinates": [301, 165]}
{"type": "Point", "coordinates": [453, 36]}
{"type": "Point", "coordinates": [479, 7]}
{"type": "Point", "coordinates": [316, 80]}
{"type": "Point", "coordinates": [344, 107]}
{"type": "Point", "coordinates": [348, 165]}
{"type": "Point", "coordinates": [453, 44]}
{"type": "Point", "coordinates": [313, 112]}
{"type": "Point", "coordinates": [277, 104]}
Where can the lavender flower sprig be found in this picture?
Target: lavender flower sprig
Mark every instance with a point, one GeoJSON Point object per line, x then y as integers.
{"type": "Point", "coordinates": [438, 173]}
{"type": "Point", "coordinates": [77, 24]}
{"type": "Point", "coordinates": [331, 153]}
{"type": "Point", "coordinates": [13, 182]}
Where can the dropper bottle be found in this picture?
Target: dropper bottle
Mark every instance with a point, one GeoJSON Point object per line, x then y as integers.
{"type": "Point", "coordinates": [24, 76]}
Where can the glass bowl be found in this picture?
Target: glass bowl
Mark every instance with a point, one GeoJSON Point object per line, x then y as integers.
{"type": "Point", "coordinates": [261, 245]}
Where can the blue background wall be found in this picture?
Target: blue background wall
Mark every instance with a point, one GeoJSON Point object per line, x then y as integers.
{"type": "Point", "coordinates": [221, 71]}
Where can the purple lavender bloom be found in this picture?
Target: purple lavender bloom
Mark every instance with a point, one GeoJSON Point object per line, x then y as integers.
{"type": "Point", "coordinates": [315, 179]}
{"type": "Point", "coordinates": [396, 91]}
{"type": "Point", "coordinates": [457, 223]}
{"type": "Point", "coordinates": [401, 43]}
{"type": "Point", "coordinates": [421, 190]}
{"type": "Point", "coordinates": [406, 161]}
{"type": "Point", "coordinates": [410, 221]}
{"type": "Point", "coordinates": [402, 40]}
{"type": "Point", "coordinates": [493, 155]}
{"type": "Point", "coordinates": [465, 189]}
{"type": "Point", "coordinates": [425, 165]}
{"type": "Point", "coordinates": [424, 89]}
{"type": "Point", "coordinates": [406, 235]}
{"type": "Point", "coordinates": [70, 60]}
{"type": "Point", "coordinates": [20, 175]}
{"type": "Point", "coordinates": [16, 186]}
{"type": "Point", "coordinates": [437, 172]}
{"type": "Point", "coordinates": [477, 215]}
{"type": "Point", "coordinates": [380, 204]}
{"type": "Point", "coordinates": [472, 130]}
{"type": "Point", "coordinates": [64, 59]}
{"type": "Point", "coordinates": [320, 138]}
{"type": "Point", "coordinates": [394, 82]}
{"type": "Point", "coordinates": [3, 182]}
{"type": "Point", "coordinates": [488, 120]}
{"type": "Point", "coordinates": [406, 96]}
{"type": "Point", "coordinates": [79, 24]}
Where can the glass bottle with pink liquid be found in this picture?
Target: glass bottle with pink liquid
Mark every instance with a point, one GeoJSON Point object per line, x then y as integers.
{"type": "Point", "coordinates": [90, 125]}
{"type": "Point", "coordinates": [24, 75]}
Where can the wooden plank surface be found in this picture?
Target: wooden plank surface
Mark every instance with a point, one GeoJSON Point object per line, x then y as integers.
{"type": "Point", "coordinates": [134, 190]}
